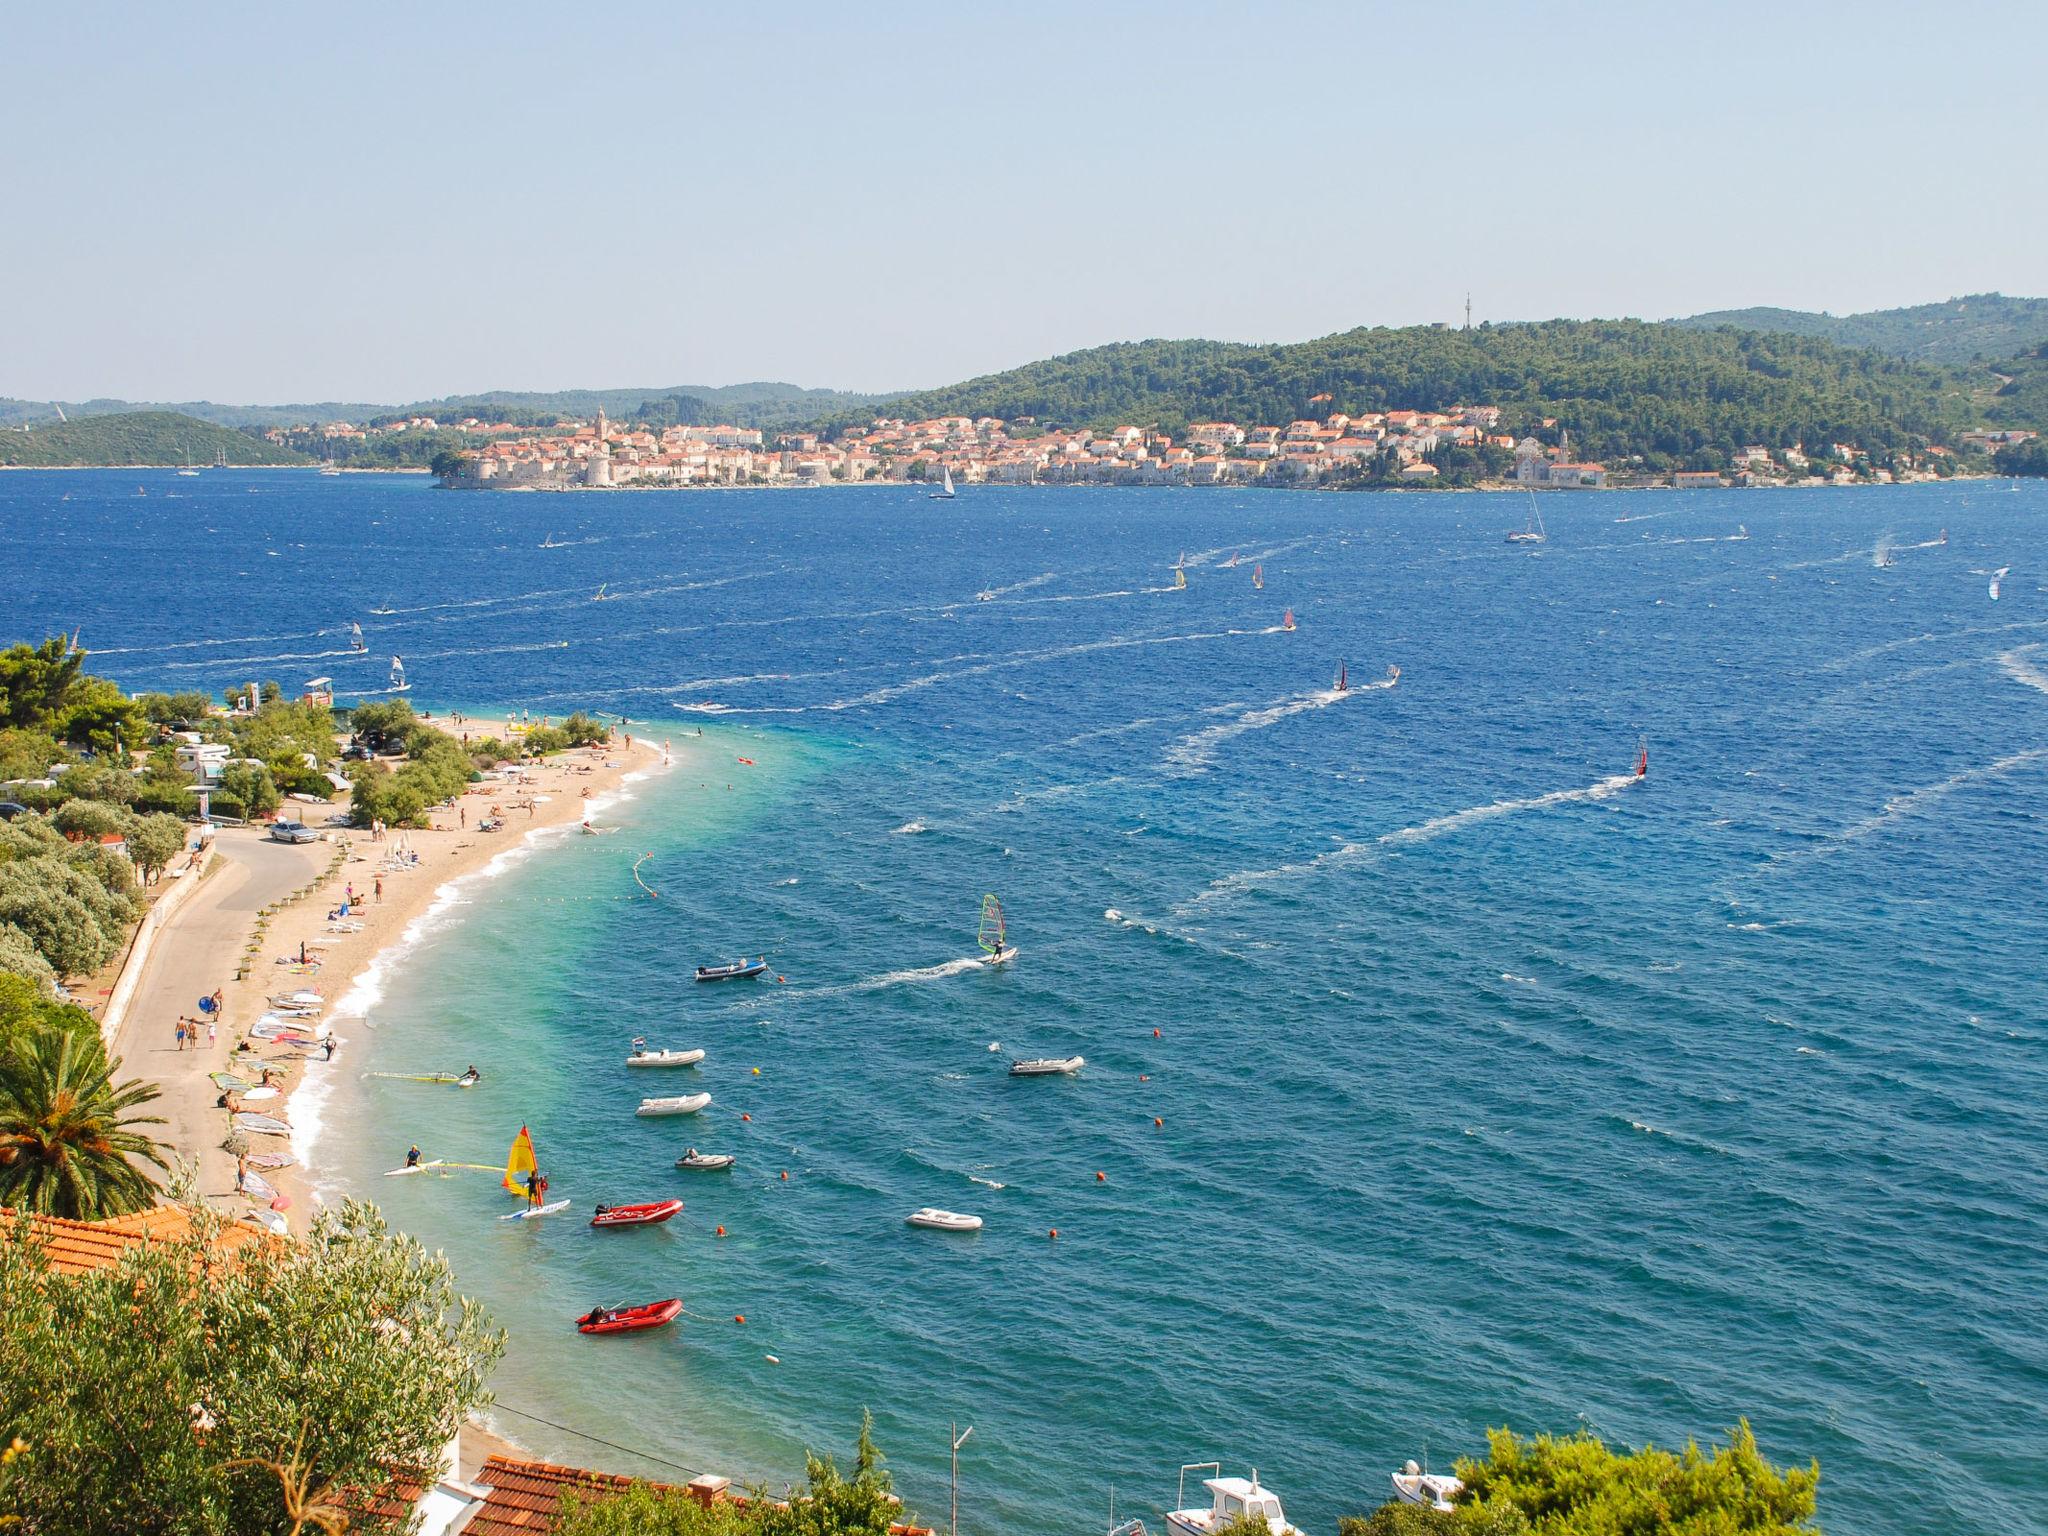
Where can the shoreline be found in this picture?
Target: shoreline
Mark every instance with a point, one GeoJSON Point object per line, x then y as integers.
{"type": "Point", "coordinates": [422, 873]}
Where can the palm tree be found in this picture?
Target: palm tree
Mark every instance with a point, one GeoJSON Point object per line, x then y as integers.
{"type": "Point", "coordinates": [67, 1143]}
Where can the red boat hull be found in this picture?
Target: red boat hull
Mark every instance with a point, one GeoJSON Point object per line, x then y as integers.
{"type": "Point", "coordinates": [632, 1319]}
{"type": "Point", "coordinates": [636, 1215]}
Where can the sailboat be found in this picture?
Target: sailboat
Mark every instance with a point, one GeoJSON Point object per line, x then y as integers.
{"type": "Point", "coordinates": [1343, 683]}
{"type": "Point", "coordinates": [220, 458]}
{"type": "Point", "coordinates": [1642, 757]}
{"type": "Point", "coordinates": [355, 638]}
{"type": "Point", "coordinates": [188, 472]}
{"type": "Point", "coordinates": [994, 936]}
{"type": "Point", "coordinates": [1258, 578]}
{"type": "Point", "coordinates": [398, 682]}
{"type": "Point", "coordinates": [945, 491]}
{"type": "Point", "coordinates": [1287, 621]}
{"type": "Point", "coordinates": [329, 467]}
{"type": "Point", "coordinates": [1531, 532]}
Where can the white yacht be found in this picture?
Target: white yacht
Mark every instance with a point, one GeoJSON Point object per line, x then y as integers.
{"type": "Point", "coordinates": [1435, 1490]}
{"type": "Point", "coordinates": [1229, 1498]}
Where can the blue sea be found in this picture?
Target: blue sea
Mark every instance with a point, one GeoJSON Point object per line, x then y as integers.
{"type": "Point", "coordinates": [1439, 1075]}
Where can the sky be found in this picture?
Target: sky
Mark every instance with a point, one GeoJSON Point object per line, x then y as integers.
{"type": "Point", "coordinates": [278, 203]}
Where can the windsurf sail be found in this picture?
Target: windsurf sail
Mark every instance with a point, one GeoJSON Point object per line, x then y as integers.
{"type": "Point", "coordinates": [1258, 576]}
{"type": "Point", "coordinates": [398, 683]}
{"type": "Point", "coordinates": [1287, 621]}
{"type": "Point", "coordinates": [1180, 579]}
{"type": "Point", "coordinates": [1642, 758]}
{"type": "Point", "coordinates": [994, 931]}
{"type": "Point", "coordinates": [519, 1163]}
{"type": "Point", "coordinates": [1343, 677]}
{"type": "Point", "coordinates": [355, 638]}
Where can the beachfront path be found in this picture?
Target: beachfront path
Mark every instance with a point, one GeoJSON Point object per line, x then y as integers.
{"type": "Point", "coordinates": [196, 952]}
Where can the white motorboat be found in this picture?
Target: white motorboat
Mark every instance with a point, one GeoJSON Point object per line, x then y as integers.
{"type": "Point", "coordinates": [682, 1104]}
{"type": "Point", "coordinates": [1047, 1066]}
{"type": "Point", "coordinates": [944, 1221]}
{"type": "Point", "coordinates": [1230, 1499]}
{"type": "Point", "coordinates": [705, 1162]}
{"type": "Point", "coordinates": [646, 1058]}
{"type": "Point", "coordinates": [1433, 1490]}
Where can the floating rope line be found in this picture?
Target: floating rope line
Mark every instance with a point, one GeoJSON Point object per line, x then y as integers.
{"type": "Point", "coordinates": [650, 890]}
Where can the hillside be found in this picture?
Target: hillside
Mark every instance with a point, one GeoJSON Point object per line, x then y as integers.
{"type": "Point", "coordinates": [1977, 327]}
{"type": "Point", "coordinates": [1623, 387]}
{"type": "Point", "coordinates": [764, 405]}
{"type": "Point", "coordinates": [137, 438]}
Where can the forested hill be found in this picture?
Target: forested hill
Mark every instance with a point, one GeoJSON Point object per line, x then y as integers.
{"type": "Point", "coordinates": [1622, 386]}
{"type": "Point", "coordinates": [138, 438]}
{"type": "Point", "coordinates": [1980, 327]}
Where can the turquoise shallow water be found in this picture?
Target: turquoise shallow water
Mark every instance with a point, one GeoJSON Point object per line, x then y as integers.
{"type": "Point", "coordinates": [1494, 1088]}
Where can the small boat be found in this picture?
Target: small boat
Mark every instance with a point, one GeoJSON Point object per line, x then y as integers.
{"type": "Point", "coordinates": [539, 1210]}
{"type": "Point", "coordinates": [1343, 683]}
{"type": "Point", "coordinates": [945, 492]}
{"type": "Point", "coordinates": [681, 1104]}
{"type": "Point", "coordinates": [1231, 1499]}
{"type": "Point", "coordinates": [994, 935]}
{"type": "Point", "coordinates": [1533, 531]}
{"type": "Point", "coordinates": [646, 1058]}
{"type": "Point", "coordinates": [1287, 622]}
{"type": "Point", "coordinates": [399, 1173]}
{"type": "Point", "coordinates": [1258, 578]}
{"type": "Point", "coordinates": [705, 1162]}
{"type": "Point", "coordinates": [188, 472]}
{"type": "Point", "coordinates": [943, 1221]}
{"type": "Point", "coordinates": [1047, 1066]}
{"type": "Point", "coordinates": [737, 970]}
{"type": "Point", "coordinates": [330, 468]}
{"type": "Point", "coordinates": [1433, 1490]}
{"type": "Point", "coordinates": [644, 1215]}
{"type": "Point", "coordinates": [650, 1314]}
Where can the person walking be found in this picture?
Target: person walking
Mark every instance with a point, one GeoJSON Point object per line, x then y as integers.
{"type": "Point", "coordinates": [380, 887]}
{"type": "Point", "coordinates": [181, 1031]}
{"type": "Point", "coordinates": [219, 1002]}
{"type": "Point", "coordinates": [209, 1032]}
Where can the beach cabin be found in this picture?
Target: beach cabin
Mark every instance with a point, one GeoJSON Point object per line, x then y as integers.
{"type": "Point", "coordinates": [319, 691]}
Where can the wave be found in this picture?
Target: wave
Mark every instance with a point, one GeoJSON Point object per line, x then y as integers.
{"type": "Point", "coordinates": [937, 972]}
{"type": "Point", "coordinates": [1917, 802]}
{"type": "Point", "coordinates": [910, 829]}
{"type": "Point", "coordinates": [1238, 884]}
{"type": "Point", "coordinates": [246, 661]}
{"type": "Point", "coordinates": [2015, 665]}
{"type": "Point", "coordinates": [1193, 754]}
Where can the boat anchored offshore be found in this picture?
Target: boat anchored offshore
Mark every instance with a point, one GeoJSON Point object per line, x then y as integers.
{"type": "Point", "coordinates": [1230, 1499]}
{"type": "Point", "coordinates": [1433, 1490]}
{"type": "Point", "coordinates": [943, 1221]}
{"type": "Point", "coordinates": [651, 1314]}
{"type": "Point", "coordinates": [1047, 1066]}
{"type": "Point", "coordinates": [646, 1214]}
{"type": "Point", "coordinates": [945, 492]}
{"type": "Point", "coordinates": [681, 1104]}
{"type": "Point", "coordinates": [736, 970]}
{"type": "Point", "coordinates": [1533, 531]}
{"type": "Point", "coordinates": [705, 1162]}
{"type": "Point", "coordinates": [646, 1058]}
{"type": "Point", "coordinates": [996, 948]}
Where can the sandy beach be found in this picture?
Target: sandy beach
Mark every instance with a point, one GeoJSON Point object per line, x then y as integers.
{"type": "Point", "coordinates": [291, 907]}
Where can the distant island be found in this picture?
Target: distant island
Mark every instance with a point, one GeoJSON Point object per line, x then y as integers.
{"type": "Point", "coordinates": [1763, 393]}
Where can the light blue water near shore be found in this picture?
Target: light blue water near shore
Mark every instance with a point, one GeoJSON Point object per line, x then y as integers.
{"type": "Point", "coordinates": [1493, 1088]}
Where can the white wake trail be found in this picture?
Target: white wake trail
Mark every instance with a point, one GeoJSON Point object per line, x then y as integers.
{"type": "Point", "coordinates": [1194, 753]}
{"type": "Point", "coordinates": [2015, 665]}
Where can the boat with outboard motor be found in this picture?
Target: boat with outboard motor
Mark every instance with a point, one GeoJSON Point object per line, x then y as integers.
{"type": "Point", "coordinates": [1231, 1500]}
{"type": "Point", "coordinates": [646, 1214]}
{"type": "Point", "coordinates": [651, 1314]}
{"type": "Point", "coordinates": [705, 1162]}
{"type": "Point", "coordinates": [1432, 1490]}
{"type": "Point", "coordinates": [734, 970]}
{"type": "Point", "coordinates": [1048, 1066]}
{"type": "Point", "coordinates": [651, 1058]}
{"type": "Point", "coordinates": [681, 1104]}
{"type": "Point", "coordinates": [943, 1221]}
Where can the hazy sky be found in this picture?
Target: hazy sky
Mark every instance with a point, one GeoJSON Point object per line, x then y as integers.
{"type": "Point", "coordinates": [284, 202]}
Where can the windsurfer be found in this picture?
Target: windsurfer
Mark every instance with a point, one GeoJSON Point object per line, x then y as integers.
{"type": "Point", "coordinates": [412, 1157]}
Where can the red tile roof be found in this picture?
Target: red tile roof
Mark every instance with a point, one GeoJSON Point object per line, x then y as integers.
{"type": "Point", "coordinates": [80, 1247]}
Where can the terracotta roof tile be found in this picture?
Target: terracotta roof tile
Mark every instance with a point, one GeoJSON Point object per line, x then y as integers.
{"type": "Point", "coordinates": [80, 1247]}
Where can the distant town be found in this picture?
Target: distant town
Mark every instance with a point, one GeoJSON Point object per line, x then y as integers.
{"type": "Point", "coordinates": [1395, 447]}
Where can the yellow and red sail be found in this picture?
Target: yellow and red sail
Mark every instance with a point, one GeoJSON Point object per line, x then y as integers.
{"type": "Point", "coordinates": [519, 1162]}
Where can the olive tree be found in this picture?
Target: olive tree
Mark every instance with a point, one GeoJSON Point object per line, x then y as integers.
{"type": "Point", "coordinates": [180, 1390]}
{"type": "Point", "coordinates": [153, 841]}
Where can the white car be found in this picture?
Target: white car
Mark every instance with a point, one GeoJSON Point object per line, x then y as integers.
{"type": "Point", "coordinates": [292, 832]}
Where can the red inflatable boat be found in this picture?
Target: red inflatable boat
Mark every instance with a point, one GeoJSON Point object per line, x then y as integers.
{"type": "Point", "coordinates": [629, 1319]}
{"type": "Point", "coordinates": [636, 1215]}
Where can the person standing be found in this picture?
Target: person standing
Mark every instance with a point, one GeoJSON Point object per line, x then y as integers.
{"type": "Point", "coordinates": [181, 1031]}
{"type": "Point", "coordinates": [209, 1032]}
{"type": "Point", "coordinates": [380, 887]}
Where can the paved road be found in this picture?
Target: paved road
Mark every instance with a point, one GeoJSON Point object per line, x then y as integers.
{"type": "Point", "coordinates": [196, 952]}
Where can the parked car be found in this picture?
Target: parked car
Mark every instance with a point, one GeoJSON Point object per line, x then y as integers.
{"type": "Point", "coordinates": [292, 832]}
{"type": "Point", "coordinates": [9, 809]}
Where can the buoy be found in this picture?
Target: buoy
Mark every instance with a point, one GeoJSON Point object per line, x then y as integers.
{"type": "Point", "coordinates": [772, 1359]}
{"type": "Point", "coordinates": [757, 1071]}
{"type": "Point", "coordinates": [1100, 1176]}
{"type": "Point", "coordinates": [1055, 1232]}
{"type": "Point", "coordinates": [746, 1117]}
{"type": "Point", "coordinates": [739, 1317]}
{"type": "Point", "coordinates": [1144, 1077]}
{"type": "Point", "coordinates": [1155, 1034]}
{"type": "Point", "coordinates": [1157, 1121]}
{"type": "Point", "coordinates": [785, 1173]}
{"type": "Point", "coordinates": [721, 1231]}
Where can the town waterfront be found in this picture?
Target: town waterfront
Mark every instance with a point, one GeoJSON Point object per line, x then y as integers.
{"type": "Point", "coordinates": [1488, 1086]}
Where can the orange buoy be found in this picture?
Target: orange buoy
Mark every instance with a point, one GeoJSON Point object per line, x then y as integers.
{"type": "Point", "coordinates": [721, 1231]}
{"type": "Point", "coordinates": [785, 1173]}
{"type": "Point", "coordinates": [1055, 1232]}
{"type": "Point", "coordinates": [739, 1317]}
{"type": "Point", "coordinates": [1155, 1034]}
{"type": "Point", "coordinates": [1100, 1176]}
{"type": "Point", "coordinates": [746, 1117]}
{"type": "Point", "coordinates": [1144, 1077]}
{"type": "Point", "coordinates": [1157, 1121]}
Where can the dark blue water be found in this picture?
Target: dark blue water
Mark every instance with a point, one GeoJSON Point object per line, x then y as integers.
{"type": "Point", "coordinates": [1493, 1087]}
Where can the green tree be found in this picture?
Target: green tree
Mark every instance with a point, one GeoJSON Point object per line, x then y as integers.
{"type": "Point", "coordinates": [163, 1395]}
{"type": "Point", "coordinates": [153, 841]}
{"type": "Point", "coordinates": [26, 754]}
{"type": "Point", "coordinates": [57, 908]}
{"type": "Point", "coordinates": [97, 715]}
{"type": "Point", "coordinates": [20, 961]}
{"type": "Point", "coordinates": [245, 789]}
{"type": "Point", "coordinates": [91, 818]}
{"type": "Point", "coordinates": [68, 1139]}
{"type": "Point", "coordinates": [34, 680]}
